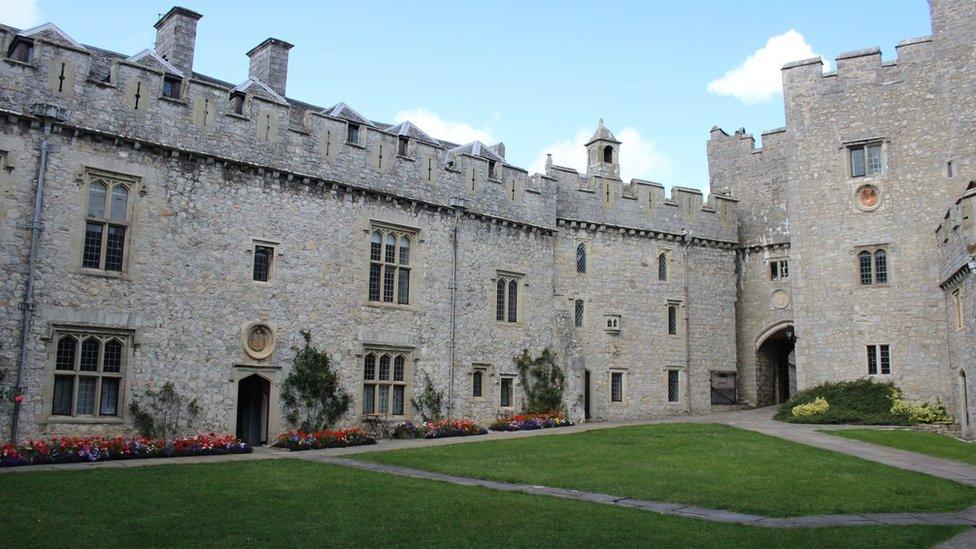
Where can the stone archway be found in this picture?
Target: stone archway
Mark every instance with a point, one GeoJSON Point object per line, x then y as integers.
{"type": "Point", "coordinates": [253, 397]}
{"type": "Point", "coordinates": [775, 364]}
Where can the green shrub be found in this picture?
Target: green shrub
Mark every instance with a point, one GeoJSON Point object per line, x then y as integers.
{"type": "Point", "coordinates": [161, 413]}
{"type": "Point", "coordinates": [921, 412]}
{"type": "Point", "coordinates": [312, 395]}
{"type": "Point", "coordinates": [429, 402]}
{"type": "Point", "coordinates": [542, 380]}
{"type": "Point", "coordinates": [859, 402]}
{"type": "Point", "coordinates": [817, 407]}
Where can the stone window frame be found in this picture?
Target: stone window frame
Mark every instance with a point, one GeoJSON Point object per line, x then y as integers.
{"type": "Point", "coordinates": [485, 371]}
{"type": "Point", "coordinates": [673, 318]}
{"type": "Point", "coordinates": [779, 268]}
{"type": "Point", "coordinates": [849, 148]}
{"type": "Point", "coordinates": [958, 309]}
{"type": "Point", "coordinates": [878, 359]}
{"type": "Point", "coordinates": [13, 55]}
{"type": "Point", "coordinates": [874, 251]}
{"type": "Point", "coordinates": [404, 147]}
{"type": "Point", "coordinates": [676, 373]}
{"type": "Point", "coordinates": [132, 184]}
{"type": "Point", "coordinates": [352, 129]}
{"type": "Point", "coordinates": [612, 374]}
{"type": "Point", "coordinates": [582, 257]}
{"type": "Point", "coordinates": [508, 379]}
{"type": "Point", "coordinates": [579, 313]}
{"type": "Point", "coordinates": [105, 334]}
{"type": "Point", "coordinates": [663, 266]}
{"type": "Point", "coordinates": [412, 235]}
{"type": "Point", "coordinates": [503, 297]}
{"type": "Point", "coordinates": [407, 381]}
{"type": "Point", "coordinates": [172, 88]}
{"type": "Point", "coordinates": [272, 261]}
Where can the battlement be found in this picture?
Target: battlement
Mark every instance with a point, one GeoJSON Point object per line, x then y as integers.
{"type": "Point", "coordinates": [643, 205]}
{"type": "Point", "coordinates": [154, 97]}
{"type": "Point", "coordinates": [772, 141]}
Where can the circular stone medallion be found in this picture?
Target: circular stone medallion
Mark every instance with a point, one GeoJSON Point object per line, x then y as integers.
{"type": "Point", "coordinates": [779, 299]}
{"type": "Point", "coordinates": [259, 341]}
{"type": "Point", "coordinates": [867, 198]}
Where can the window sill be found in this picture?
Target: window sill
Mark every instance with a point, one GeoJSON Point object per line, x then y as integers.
{"type": "Point", "coordinates": [357, 145]}
{"type": "Point", "coordinates": [236, 115]}
{"type": "Point", "coordinates": [72, 420]}
{"type": "Point", "coordinates": [100, 273]}
{"type": "Point", "coordinates": [876, 285]}
{"type": "Point", "coordinates": [174, 100]}
{"type": "Point", "coordinates": [509, 324]}
{"type": "Point", "coordinates": [392, 306]}
{"type": "Point", "coordinates": [404, 157]}
{"type": "Point", "coordinates": [14, 62]}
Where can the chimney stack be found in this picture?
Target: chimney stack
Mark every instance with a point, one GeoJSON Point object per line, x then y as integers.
{"type": "Point", "coordinates": [176, 36]}
{"type": "Point", "coordinates": [269, 63]}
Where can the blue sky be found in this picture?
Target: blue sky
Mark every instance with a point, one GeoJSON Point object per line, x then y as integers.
{"type": "Point", "coordinates": [536, 75]}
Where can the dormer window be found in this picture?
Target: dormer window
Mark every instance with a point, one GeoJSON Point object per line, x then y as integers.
{"type": "Point", "coordinates": [403, 145]}
{"type": "Point", "coordinates": [21, 50]}
{"type": "Point", "coordinates": [352, 133]}
{"type": "Point", "coordinates": [492, 169]}
{"type": "Point", "coordinates": [237, 103]}
{"type": "Point", "coordinates": [608, 154]}
{"type": "Point", "coordinates": [171, 87]}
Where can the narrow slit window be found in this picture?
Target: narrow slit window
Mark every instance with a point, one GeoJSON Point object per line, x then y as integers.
{"type": "Point", "coordinates": [672, 319]}
{"type": "Point", "coordinates": [581, 258]}
{"type": "Point", "coordinates": [616, 387]}
{"type": "Point", "coordinates": [673, 386]}
{"type": "Point", "coordinates": [579, 313]}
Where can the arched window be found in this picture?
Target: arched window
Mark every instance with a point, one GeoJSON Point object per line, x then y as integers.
{"type": "Point", "coordinates": [87, 380]}
{"type": "Point", "coordinates": [608, 154]}
{"type": "Point", "coordinates": [662, 266]}
{"type": "Point", "coordinates": [383, 393]}
{"type": "Point", "coordinates": [581, 258]}
{"type": "Point", "coordinates": [880, 267]}
{"type": "Point", "coordinates": [105, 225]}
{"type": "Point", "coordinates": [476, 383]}
{"type": "Point", "coordinates": [389, 267]}
{"type": "Point", "coordinates": [500, 300]}
{"type": "Point", "coordinates": [512, 301]}
{"type": "Point", "coordinates": [672, 319]}
{"type": "Point", "coordinates": [506, 298]}
{"type": "Point", "coordinates": [864, 264]}
{"type": "Point", "coordinates": [578, 306]}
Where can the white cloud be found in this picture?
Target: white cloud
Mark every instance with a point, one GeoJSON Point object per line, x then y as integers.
{"type": "Point", "coordinates": [458, 132]}
{"type": "Point", "coordinates": [639, 156]}
{"type": "Point", "coordinates": [758, 78]}
{"type": "Point", "coordinates": [22, 14]}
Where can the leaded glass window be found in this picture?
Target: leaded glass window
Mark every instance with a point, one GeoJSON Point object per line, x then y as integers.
{"type": "Point", "coordinates": [866, 160]}
{"type": "Point", "coordinates": [263, 257]}
{"type": "Point", "coordinates": [673, 387]}
{"type": "Point", "coordinates": [389, 266]}
{"type": "Point", "coordinates": [578, 306]}
{"type": "Point", "coordinates": [506, 298]}
{"type": "Point", "coordinates": [384, 383]}
{"type": "Point", "coordinates": [88, 376]}
{"type": "Point", "coordinates": [672, 319]}
{"type": "Point", "coordinates": [581, 258]}
{"type": "Point", "coordinates": [617, 387]}
{"type": "Point", "coordinates": [662, 266]}
{"type": "Point", "coordinates": [106, 223]}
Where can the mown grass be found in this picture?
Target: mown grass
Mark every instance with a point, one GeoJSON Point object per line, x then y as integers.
{"type": "Point", "coordinates": [712, 466]}
{"type": "Point", "coordinates": [932, 444]}
{"type": "Point", "coordinates": [293, 503]}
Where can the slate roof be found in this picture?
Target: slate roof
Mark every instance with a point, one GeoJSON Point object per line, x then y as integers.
{"type": "Point", "coordinates": [407, 129]}
{"type": "Point", "coordinates": [602, 134]}
{"type": "Point", "coordinates": [477, 148]}
{"type": "Point", "coordinates": [345, 112]}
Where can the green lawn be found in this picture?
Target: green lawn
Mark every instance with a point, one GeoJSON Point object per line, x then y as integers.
{"type": "Point", "coordinates": [709, 465]}
{"type": "Point", "coordinates": [294, 503]}
{"type": "Point", "coordinates": [914, 441]}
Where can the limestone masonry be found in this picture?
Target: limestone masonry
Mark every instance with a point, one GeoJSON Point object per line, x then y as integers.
{"type": "Point", "coordinates": [158, 225]}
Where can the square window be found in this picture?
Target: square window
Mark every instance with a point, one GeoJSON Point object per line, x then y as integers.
{"type": "Point", "coordinates": [352, 134]}
{"type": "Point", "coordinates": [866, 160]}
{"type": "Point", "coordinates": [171, 87]}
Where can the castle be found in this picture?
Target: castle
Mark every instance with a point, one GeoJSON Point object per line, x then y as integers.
{"type": "Point", "coordinates": [159, 225]}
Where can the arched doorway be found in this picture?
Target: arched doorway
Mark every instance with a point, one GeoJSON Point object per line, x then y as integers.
{"type": "Point", "coordinates": [253, 394]}
{"type": "Point", "coordinates": [775, 364]}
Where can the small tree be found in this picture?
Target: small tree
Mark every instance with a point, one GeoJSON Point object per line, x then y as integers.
{"type": "Point", "coordinates": [542, 380]}
{"type": "Point", "coordinates": [428, 403]}
{"type": "Point", "coordinates": [163, 413]}
{"type": "Point", "coordinates": [311, 393]}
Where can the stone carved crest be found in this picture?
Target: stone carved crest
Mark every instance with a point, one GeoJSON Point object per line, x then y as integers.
{"type": "Point", "coordinates": [259, 340]}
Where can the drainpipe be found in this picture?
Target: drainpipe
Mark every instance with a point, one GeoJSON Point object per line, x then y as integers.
{"type": "Point", "coordinates": [458, 205]}
{"type": "Point", "coordinates": [49, 114]}
{"type": "Point", "coordinates": [687, 243]}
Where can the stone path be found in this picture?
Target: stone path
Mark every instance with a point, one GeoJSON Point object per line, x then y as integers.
{"type": "Point", "coordinates": [962, 518]}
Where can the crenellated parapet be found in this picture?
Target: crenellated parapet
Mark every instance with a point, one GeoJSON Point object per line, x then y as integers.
{"type": "Point", "coordinates": [146, 99]}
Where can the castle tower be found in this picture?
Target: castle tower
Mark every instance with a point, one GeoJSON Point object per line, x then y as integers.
{"type": "Point", "coordinates": [603, 153]}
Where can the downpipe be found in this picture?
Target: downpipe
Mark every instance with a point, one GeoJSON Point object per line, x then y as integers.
{"type": "Point", "coordinates": [458, 205]}
{"type": "Point", "coordinates": [27, 305]}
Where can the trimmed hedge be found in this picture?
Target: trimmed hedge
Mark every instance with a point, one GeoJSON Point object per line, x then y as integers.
{"type": "Point", "coordinates": [860, 402]}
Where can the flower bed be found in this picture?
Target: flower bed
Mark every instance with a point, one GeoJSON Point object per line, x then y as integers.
{"type": "Point", "coordinates": [297, 440]}
{"type": "Point", "coordinates": [440, 429]}
{"type": "Point", "coordinates": [528, 422]}
{"type": "Point", "coordinates": [97, 448]}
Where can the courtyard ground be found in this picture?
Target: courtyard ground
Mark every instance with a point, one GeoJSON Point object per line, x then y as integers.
{"type": "Point", "coordinates": [288, 502]}
{"type": "Point", "coordinates": [713, 466]}
{"type": "Point", "coordinates": [931, 444]}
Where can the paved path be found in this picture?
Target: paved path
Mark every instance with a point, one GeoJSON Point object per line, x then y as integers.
{"type": "Point", "coordinates": [962, 518]}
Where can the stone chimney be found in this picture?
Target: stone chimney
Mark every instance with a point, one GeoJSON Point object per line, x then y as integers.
{"type": "Point", "coordinates": [176, 36]}
{"type": "Point", "coordinates": [269, 63]}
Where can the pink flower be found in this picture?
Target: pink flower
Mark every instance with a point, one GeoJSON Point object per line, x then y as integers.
{"type": "Point", "coordinates": [18, 399]}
